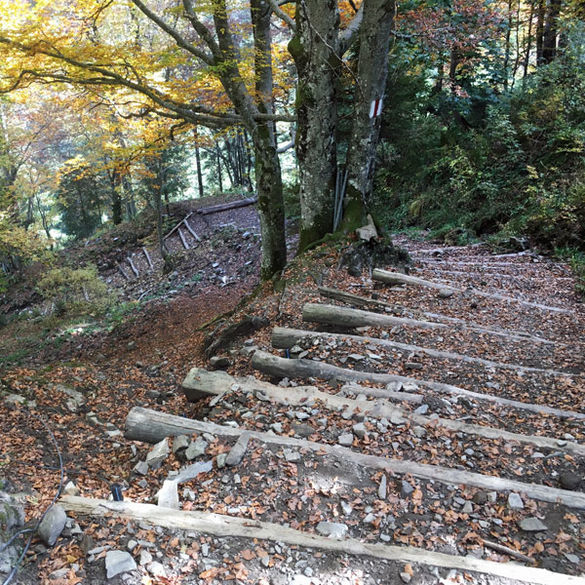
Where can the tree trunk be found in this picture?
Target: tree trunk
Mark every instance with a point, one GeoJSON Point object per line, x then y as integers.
{"type": "Point", "coordinates": [199, 173]}
{"type": "Point", "coordinates": [115, 181]}
{"type": "Point", "coordinates": [540, 14]}
{"type": "Point", "coordinates": [314, 49]}
{"type": "Point", "coordinates": [268, 172]}
{"type": "Point", "coordinates": [218, 162]}
{"type": "Point", "coordinates": [374, 44]}
{"type": "Point", "coordinates": [549, 39]}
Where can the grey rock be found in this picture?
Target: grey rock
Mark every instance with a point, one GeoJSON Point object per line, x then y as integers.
{"type": "Point", "coordinates": [405, 577]}
{"type": "Point", "coordinates": [419, 432]}
{"type": "Point", "coordinates": [346, 507]}
{"type": "Point", "coordinates": [118, 561]}
{"type": "Point", "coordinates": [467, 508]}
{"type": "Point", "coordinates": [145, 557]}
{"type": "Point", "coordinates": [346, 439]}
{"type": "Point", "coordinates": [300, 415]}
{"type": "Point", "coordinates": [192, 471]}
{"type": "Point", "coordinates": [238, 451]}
{"type": "Point", "coordinates": [277, 428]}
{"type": "Point", "coordinates": [196, 449]}
{"type": "Point", "coordinates": [396, 418]}
{"type": "Point", "coordinates": [532, 524]}
{"type": "Point", "coordinates": [168, 496]}
{"type": "Point", "coordinates": [180, 443]}
{"type": "Point", "coordinates": [405, 488]}
{"type": "Point", "coordinates": [292, 456]}
{"type": "Point", "coordinates": [569, 480]}
{"type": "Point", "coordinates": [382, 488]}
{"type": "Point", "coordinates": [15, 399]}
{"type": "Point", "coordinates": [131, 545]}
{"type": "Point", "coordinates": [302, 429]}
{"type": "Point", "coordinates": [422, 409]}
{"type": "Point", "coordinates": [71, 489]}
{"type": "Point", "coordinates": [332, 529]}
{"type": "Point", "coordinates": [359, 430]}
{"type": "Point", "coordinates": [220, 460]}
{"type": "Point", "coordinates": [158, 454]}
{"type": "Point", "coordinates": [219, 362]}
{"type": "Point", "coordinates": [446, 293]}
{"type": "Point", "coordinates": [572, 558]}
{"type": "Point", "coordinates": [515, 502]}
{"type": "Point", "coordinates": [52, 525]}
{"type": "Point", "coordinates": [141, 468]}
{"type": "Point", "coordinates": [157, 569]}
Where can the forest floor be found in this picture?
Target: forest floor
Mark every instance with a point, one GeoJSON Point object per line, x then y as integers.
{"type": "Point", "coordinates": [383, 471]}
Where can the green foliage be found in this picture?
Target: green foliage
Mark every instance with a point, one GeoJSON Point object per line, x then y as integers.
{"type": "Point", "coordinates": [75, 291]}
{"type": "Point", "coordinates": [80, 198]}
{"type": "Point", "coordinates": [515, 165]}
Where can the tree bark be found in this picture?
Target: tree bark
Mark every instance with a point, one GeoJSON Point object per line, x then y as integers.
{"type": "Point", "coordinates": [314, 49]}
{"type": "Point", "coordinates": [550, 33]}
{"type": "Point", "coordinates": [372, 73]}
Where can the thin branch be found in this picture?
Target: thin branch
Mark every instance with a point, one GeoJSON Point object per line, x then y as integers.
{"type": "Point", "coordinates": [349, 35]}
{"type": "Point", "coordinates": [179, 39]}
{"type": "Point", "coordinates": [201, 29]}
{"type": "Point", "coordinates": [282, 15]}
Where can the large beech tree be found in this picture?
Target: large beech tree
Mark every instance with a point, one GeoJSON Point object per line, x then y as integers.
{"type": "Point", "coordinates": [117, 44]}
{"type": "Point", "coordinates": [318, 47]}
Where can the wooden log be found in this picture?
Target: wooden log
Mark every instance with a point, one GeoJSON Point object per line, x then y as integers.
{"type": "Point", "coordinates": [226, 206]}
{"type": "Point", "coordinates": [191, 230]}
{"type": "Point", "coordinates": [353, 299]}
{"type": "Point", "coordinates": [398, 278]}
{"type": "Point", "coordinates": [285, 338]}
{"type": "Point", "coordinates": [148, 258]}
{"type": "Point", "coordinates": [295, 368]}
{"type": "Point", "coordinates": [133, 266]}
{"type": "Point", "coordinates": [183, 240]}
{"type": "Point", "coordinates": [350, 318]}
{"type": "Point", "coordinates": [235, 527]}
{"type": "Point", "coordinates": [177, 226]}
{"type": "Point", "coordinates": [223, 383]}
{"type": "Point", "coordinates": [123, 272]}
{"type": "Point", "coordinates": [151, 426]}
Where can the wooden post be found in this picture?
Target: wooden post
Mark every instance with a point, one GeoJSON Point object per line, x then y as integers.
{"type": "Point", "coordinates": [134, 269]}
{"type": "Point", "coordinates": [191, 230]}
{"type": "Point", "coordinates": [148, 259]}
{"type": "Point", "coordinates": [183, 241]}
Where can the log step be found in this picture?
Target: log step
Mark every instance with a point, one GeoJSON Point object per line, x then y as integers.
{"type": "Point", "coordinates": [152, 426]}
{"type": "Point", "coordinates": [229, 526]}
{"type": "Point", "coordinates": [303, 368]}
{"type": "Point", "coordinates": [398, 278]}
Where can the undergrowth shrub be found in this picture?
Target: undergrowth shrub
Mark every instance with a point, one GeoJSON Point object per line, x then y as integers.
{"type": "Point", "coordinates": [76, 291]}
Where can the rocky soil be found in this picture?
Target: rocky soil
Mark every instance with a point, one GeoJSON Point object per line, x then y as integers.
{"type": "Point", "coordinates": [467, 465]}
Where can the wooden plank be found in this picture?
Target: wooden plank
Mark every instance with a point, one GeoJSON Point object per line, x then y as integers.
{"type": "Point", "coordinates": [191, 230]}
{"type": "Point", "coordinates": [230, 526]}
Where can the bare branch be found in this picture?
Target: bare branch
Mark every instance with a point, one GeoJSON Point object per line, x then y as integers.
{"type": "Point", "coordinates": [179, 39]}
{"type": "Point", "coordinates": [348, 36]}
{"type": "Point", "coordinates": [201, 29]}
{"type": "Point", "coordinates": [282, 14]}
